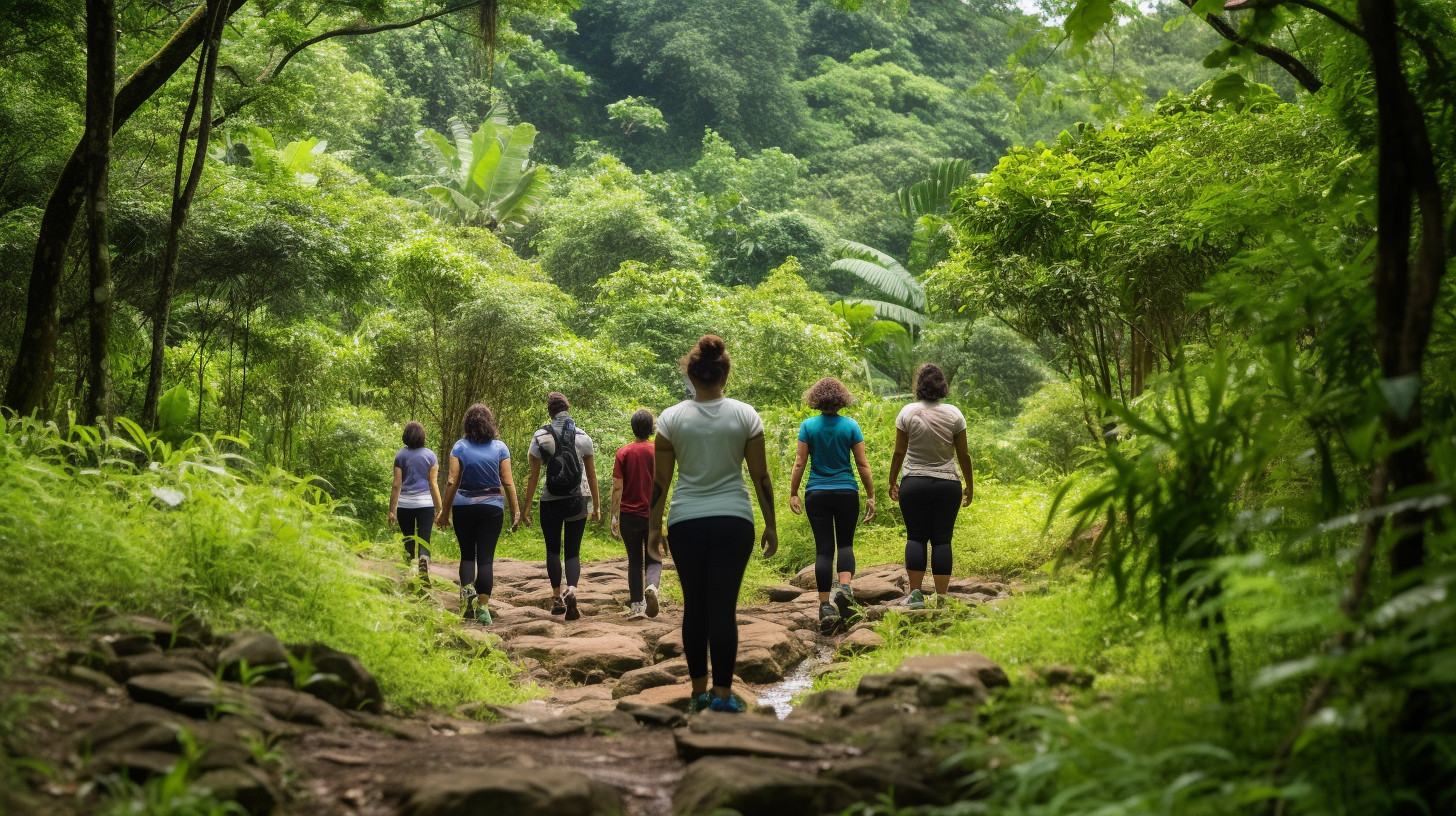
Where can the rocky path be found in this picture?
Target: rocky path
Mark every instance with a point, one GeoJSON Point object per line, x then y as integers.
{"type": "Point", "coordinates": [609, 737]}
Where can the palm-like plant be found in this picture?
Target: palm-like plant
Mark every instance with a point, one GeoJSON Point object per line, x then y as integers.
{"type": "Point", "coordinates": [883, 345]}
{"type": "Point", "coordinates": [489, 180]}
{"type": "Point", "coordinates": [253, 146]}
{"type": "Point", "coordinates": [926, 204]}
{"type": "Point", "coordinates": [905, 297]}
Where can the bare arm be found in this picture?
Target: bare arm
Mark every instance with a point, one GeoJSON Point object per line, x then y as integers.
{"type": "Point", "coordinates": [442, 516]}
{"type": "Point", "coordinates": [435, 487]}
{"type": "Point", "coordinates": [508, 484]}
{"type": "Point", "coordinates": [902, 443]}
{"type": "Point", "coordinates": [665, 462]}
{"type": "Point", "coordinates": [801, 458]}
{"type": "Point", "coordinates": [394, 496]}
{"type": "Point", "coordinates": [862, 462]}
{"type": "Point", "coordinates": [757, 459]}
{"type": "Point", "coordinates": [531, 480]}
{"type": "Point", "coordinates": [964, 455]}
{"type": "Point", "coordinates": [590, 463]}
{"type": "Point", "coordinates": [614, 507]}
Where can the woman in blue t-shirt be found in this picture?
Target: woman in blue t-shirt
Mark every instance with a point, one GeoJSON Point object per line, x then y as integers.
{"type": "Point", "coordinates": [480, 482]}
{"type": "Point", "coordinates": [415, 495]}
{"type": "Point", "coordinates": [832, 497]}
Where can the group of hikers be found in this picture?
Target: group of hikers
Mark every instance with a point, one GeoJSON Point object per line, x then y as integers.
{"type": "Point", "coordinates": [705, 442]}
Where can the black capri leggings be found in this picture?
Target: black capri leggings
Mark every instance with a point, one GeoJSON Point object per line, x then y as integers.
{"type": "Point", "coordinates": [415, 521]}
{"type": "Point", "coordinates": [478, 528]}
{"type": "Point", "coordinates": [833, 515]}
{"type": "Point", "coordinates": [711, 555]}
{"type": "Point", "coordinates": [554, 515]}
{"type": "Point", "coordinates": [930, 507]}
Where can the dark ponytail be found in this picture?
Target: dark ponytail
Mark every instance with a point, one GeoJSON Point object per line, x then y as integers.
{"type": "Point", "coordinates": [708, 362]}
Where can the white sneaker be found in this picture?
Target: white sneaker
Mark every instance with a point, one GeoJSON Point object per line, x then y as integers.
{"type": "Point", "coordinates": [651, 603]}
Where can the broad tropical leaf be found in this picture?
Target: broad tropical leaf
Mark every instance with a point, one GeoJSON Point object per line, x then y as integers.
{"type": "Point", "coordinates": [933, 194]}
{"type": "Point", "coordinates": [516, 207]}
{"type": "Point", "coordinates": [516, 144]}
{"type": "Point", "coordinates": [894, 311]}
{"type": "Point", "coordinates": [880, 271]}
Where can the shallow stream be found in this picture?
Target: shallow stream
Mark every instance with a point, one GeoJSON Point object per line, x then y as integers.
{"type": "Point", "coordinates": [780, 695]}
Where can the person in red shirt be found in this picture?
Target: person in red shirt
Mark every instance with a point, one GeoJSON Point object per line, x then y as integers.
{"type": "Point", "coordinates": [631, 492]}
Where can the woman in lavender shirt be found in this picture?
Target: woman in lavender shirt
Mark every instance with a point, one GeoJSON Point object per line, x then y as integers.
{"type": "Point", "coordinates": [415, 495]}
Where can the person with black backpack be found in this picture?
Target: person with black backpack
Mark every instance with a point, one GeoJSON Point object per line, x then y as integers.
{"type": "Point", "coordinates": [568, 498]}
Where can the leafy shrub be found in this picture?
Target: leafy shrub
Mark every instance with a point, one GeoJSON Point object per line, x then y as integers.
{"type": "Point", "coordinates": [351, 449]}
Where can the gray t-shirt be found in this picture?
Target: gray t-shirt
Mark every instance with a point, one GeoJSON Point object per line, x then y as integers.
{"type": "Point", "coordinates": [932, 428]}
{"type": "Point", "coordinates": [543, 445]}
{"type": "Point", "coordinates": [708, 438]}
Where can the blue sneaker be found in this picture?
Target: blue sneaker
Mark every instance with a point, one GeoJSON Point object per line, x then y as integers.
{"type": "Point", "coordinates": [701, 702]}
{"type": "Point", "coordinates": [732, 704]}
{"type": "Point", "coordinates": [916, 600]}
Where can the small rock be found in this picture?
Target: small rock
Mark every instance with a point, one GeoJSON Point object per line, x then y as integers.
{"type": "Point", "coordinates": [875, 590]}
{"type": "Point", "coordinates": [550, 728]}
{"type": "Point", "coordinates": [262, 652]}
{"type": "Point", "coordinates": [659, 716]}
{"type": "Point", "coordinates": [804, 578]}
{"type": "Point", "coordinates": [248, 786]}
{"type": "Point", "coordinates": [639, 680]}
{"type": "Point", "coordinates": [508, 791]}
{"type": "Point", "coordinates": [90, 677]}
{"type": "Point", "coordinates": [125, 668]}
{"type": "Point", "coordinates": [758, 786]}
{"type": "Point", "coordinates": [614, 723]}
{"type": "Point", "coordinates": [861, 640]}
{"type": "Point", "coordinates": [830, 703]}
{"type": "Point", "coordinates": [783, 593]}
{"type": "Point", "coordinates": [294, 706]}
{"type": "Point", "coordinates": [983, 668]}
{"type": "Point", "coordinates": [339, 678]}
{"type": "Point", "coordinates": [185, 692]}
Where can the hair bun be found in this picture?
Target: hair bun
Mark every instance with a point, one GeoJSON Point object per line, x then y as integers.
{"type": "Point", "coordinates": [710, 347]}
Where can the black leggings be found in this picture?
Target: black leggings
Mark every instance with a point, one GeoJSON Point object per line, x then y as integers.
{"type": "Point", "coordinates": [711, 555]}
{"type": "Point", "coordinates": [930, 507]}
{"type": "Point", "coordinates": [478, 528]}
{"type": "Point", "coordinates": [554, 515]}
{"type": "Point", "coordinates": [415, 521]}
{"type": "Point", "coordinates": [634, 535]}
{"type": "Point", "coordinates": [833, 515]}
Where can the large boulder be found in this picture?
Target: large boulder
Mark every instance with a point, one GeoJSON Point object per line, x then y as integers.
{"type": "Point", "coordinates": [507, 791]}
{"type": "Point", "coordinates": [338, 678]}
{"type": "Point", "coordinates": [762, 787]}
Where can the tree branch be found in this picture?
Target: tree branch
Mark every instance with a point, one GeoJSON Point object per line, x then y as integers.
{"type": "Point", "coordinates": [1290, 63]}
{"type": "Point", "coordinates": [356, 31]}
{"type": "Point", "coordinates": [1314, 6]}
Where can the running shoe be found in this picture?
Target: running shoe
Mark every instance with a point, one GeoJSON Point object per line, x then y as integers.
{"type": "Point", "coordinates": [849, 608]}
{"type": "Point", "coordinates": [829, 619]}
{"type": "Point", "coordinates": [733, 704]}
{"type": "Point", "coordinates": [558, 605]}
{"type": "Point", "coordinates": [425, 570]}
{"type": "Point", "coordinates": [467, 602]}
{"type": "Point", "coordinates": [701, 702]}
{"type": "Point", "coordinates": [482, 614]}
{"type": "Point", "coordinates": [916, 599]}
{"type": "Point", "coordinates": [569, 596]}
{"type": "Point", "coordinates": [651, 595]}
{"type": "Point", "coordinates": [636, 611]}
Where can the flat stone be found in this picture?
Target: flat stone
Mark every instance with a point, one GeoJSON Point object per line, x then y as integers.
{"type": "Point", "coordinates": [125, 668]}
{"type": "Point", "coordinates": [762, 787]}
{"type": "Point", "coordinates": [507, 791]}
{"type": "Point", "coordinates": [783, 593]}
{"type": "Point", "coordinates": [639, 680]}
{"type": "Point", "coordinates": [861, 640]}
{"type": "Point", "coordinates": [248, 786]}
{"type": "Point", "coordinates": [263, 654]}
{"type": "Point", "coordinates": [659, 716]}
{"type": "Point", "coordinates": [132, 643]}
{"type": "Point", "coordinates": [578, 657]}
{"type": "Point", "coordinates": [693, 745]}
{"type": "Point", "coordinates": [875, 590]}
{"type": "Point", "coordinates": [90, 677]}
{"type": "Point", "coordinates": [874, 777]}
{"type": "Point", "coordinates": [981, 667]}
{"type": "Point", "coordinates": [294, 706]}
{"type": "Point", "coordinates": [576, 694]}
{"type": "Point", "coordinates": [674, 696]}
{"type": "Point", "coordinates": [185, 692]}
{"type": "Point", "coordinates": [537, 628]}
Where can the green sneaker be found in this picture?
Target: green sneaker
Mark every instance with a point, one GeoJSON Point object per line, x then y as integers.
{"type": "Point", "coordinates": [849, 608]}
{"type": "Point", "coordinates": [828, 618]}
{"type": "Point", "coordinates": [701, 702]}
{"type": "Point", "coordinates": [916, 600]}
{"type": "Point", "coordinates": [482, 614]}
{"type": "Point", "coordinates": [467, 602]}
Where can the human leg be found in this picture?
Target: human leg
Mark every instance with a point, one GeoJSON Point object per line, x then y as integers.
{"type": "Point", "coordinates": [947, 506]}
{"type": "Point", "coordinates": [917, 504]}
{"type": "Point", "coordinates": [732, 545]}
{"type": "Point", "coordinates": [466, 521]}
{"type": "Point", "coordinates": [689, 553]}
{"type": "Point", "coordinates": [634, 538]}
{"type": "Point", "coordinates": [818, 506]}
{"type": "Point", "coordinates": [551, 524]}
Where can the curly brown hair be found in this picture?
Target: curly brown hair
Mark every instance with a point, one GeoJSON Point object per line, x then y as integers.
{"type": "Point", "coordinates": [930, 384]}
{"type": "Point", "coordinates": [708, 362]}
{"type": "Point", "coordinates": [479, 423]}
{"type": "Point", "coordinates": [828, 395]}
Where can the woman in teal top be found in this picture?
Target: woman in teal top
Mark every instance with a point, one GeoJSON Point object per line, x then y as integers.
{"type": "Point", "coordinates": [832, 497]}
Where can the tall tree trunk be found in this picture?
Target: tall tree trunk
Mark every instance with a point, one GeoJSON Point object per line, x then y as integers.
{"type": "Point", "coordinates": [203, 85]}
{"type": "Point", "coordinates": [100, 104]}
{"type": "Point", "coordinates": [29, 385]}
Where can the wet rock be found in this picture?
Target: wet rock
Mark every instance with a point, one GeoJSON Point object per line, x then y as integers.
{"type": "Point", "coordinates": [758, 786]}
{"type": "Point", "coordinates": [338, 678]}
{"type": "Point", "coordinates": [505, 791]}
{"type": "Point", "coordinates": [186, 693]}
{"type": "Point", "coordinates": [639, 680]}
{"type": "Point", "coordinates": [767, 650]}
{"type": "Point", "coordinates": [693, 745]}
{"type": "Point", "coordinates": [248, 786]}
{"type": "Point", "coordinates": [783, 593]}
{"type": "Point", "coordinates": [578, 657]}
{"type": "Point", "coordinates": [263, 653]}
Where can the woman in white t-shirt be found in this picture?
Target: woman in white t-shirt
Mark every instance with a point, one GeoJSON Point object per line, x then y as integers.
{"type": "Point", "coordinates": [706, 440]}
{"type": "Point", "coordinates": [930, 437]}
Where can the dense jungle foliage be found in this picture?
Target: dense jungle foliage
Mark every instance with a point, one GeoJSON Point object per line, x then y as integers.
{"type": "Point", "coordinates": [1182, 262]}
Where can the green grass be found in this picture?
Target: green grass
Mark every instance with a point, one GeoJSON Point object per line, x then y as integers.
{"type": "Point", "coordinates": [90, 524]}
